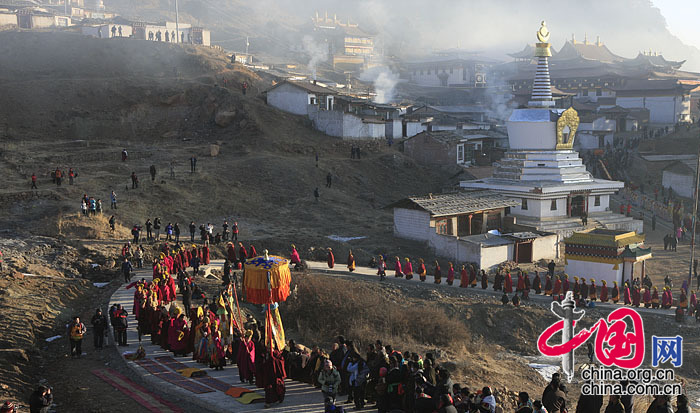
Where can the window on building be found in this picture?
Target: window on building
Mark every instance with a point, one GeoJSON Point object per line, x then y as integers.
{"type": "Point", "coordinates": [584, 92]}
{"type": "Point", "coordinates": [523, 206]}
{"type": "Point", "coordinates": [441, 226]}
{"type": "Point", "coordinates": [460, 153]}
{"type": "Point", "coordinates": [312, 100]}
{"type": "Point", "coordinates": [553, 206]}
{"type": "Point", "coordinates": [596, 200]}
{"type": "Point", "coordinates": [599, 92]}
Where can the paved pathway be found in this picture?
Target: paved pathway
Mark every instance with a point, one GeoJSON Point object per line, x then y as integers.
{"type": "Point", "coordinates": [300, 397]}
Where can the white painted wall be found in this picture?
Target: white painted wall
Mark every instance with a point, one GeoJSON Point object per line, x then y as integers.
{"type": "Point", "coordinates": [604, 203]}
{"type": "Point", "coordinates": [662, 109]}
{"type": "Point", "coordinates": [393, 128]}
{"type": "Point", "coordinates": [681, 184]}
{"type": "Point", "coordinates": [532, 135]}
{"type": "Point", "coordinates": [8, 19]}
{"type": "Point", "coordinates": [414, 128]}
{"type": "Point", "coordinates": [412, 224]}
{"type": "Point", "coordinates": [544, 248]}
{"type": "Point", "coordinates": [599, 271]}
{"type": "Point", "coordinates": [540, 208]}
{"type": "Point", "coordinates": [288, 98]}
{"type": "Point", "coordinates": [432, 79]}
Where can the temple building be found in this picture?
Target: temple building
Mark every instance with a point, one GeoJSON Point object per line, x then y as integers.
{"type": "Point", "coordinates": [542, 170]}
{"type": "Point", "coordinates": [349, 46]}
{"type": "Point", "coordinates": [606, 255]}
{"type": "Point", "coordinates": [591, 72]}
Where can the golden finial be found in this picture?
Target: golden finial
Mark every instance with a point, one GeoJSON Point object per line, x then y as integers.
{"type": "Point", "coordinates": [543, 33]}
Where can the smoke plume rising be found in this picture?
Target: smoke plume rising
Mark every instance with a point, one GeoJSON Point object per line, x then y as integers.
{"type": "Point", "coordinates": [317, 53]}
{"type": "Point", "coordinates": [384, 81]}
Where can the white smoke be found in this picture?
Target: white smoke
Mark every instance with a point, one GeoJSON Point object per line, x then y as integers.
{"type": "Point", "coordinates": [318, 52]}
{"type": "Point", "coordinates": [384, 81]}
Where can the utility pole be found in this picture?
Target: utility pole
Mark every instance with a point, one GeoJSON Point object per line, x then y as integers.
{"type": "Point", "coordinates": [177, 23]}
{"type": "Point", "coordinates": [695, 213]}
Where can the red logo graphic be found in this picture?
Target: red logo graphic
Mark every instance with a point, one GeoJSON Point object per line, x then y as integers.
{"type": "Point", "coordinates": [614, 344]}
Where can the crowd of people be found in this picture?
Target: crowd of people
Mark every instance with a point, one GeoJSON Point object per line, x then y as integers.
{"type": "Point", "coordinates": [636, 292]}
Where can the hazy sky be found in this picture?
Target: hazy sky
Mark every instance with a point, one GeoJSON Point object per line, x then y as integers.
{"type": "Point", "coordinates": [681, 17]}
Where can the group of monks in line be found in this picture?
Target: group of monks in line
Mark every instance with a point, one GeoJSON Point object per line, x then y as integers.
{"type": "Point", "coordinates": [214, 332]}
{"type": "Point", "coordinates": [555, 286]}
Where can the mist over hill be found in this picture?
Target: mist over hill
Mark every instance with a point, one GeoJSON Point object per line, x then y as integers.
{"type": "Point", "coordinates": [418, 27]}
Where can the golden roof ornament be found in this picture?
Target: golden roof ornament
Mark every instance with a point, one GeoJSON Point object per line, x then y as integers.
{"type": "Point", "coordinates": [568, 120]}
{"type": "Point", "coordinates": [543, 33]}
{"type": "Point", "coordinates": [542, 47]}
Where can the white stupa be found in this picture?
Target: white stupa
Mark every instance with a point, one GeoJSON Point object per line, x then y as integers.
{"type": "Point", "coordinates": [543, 170]}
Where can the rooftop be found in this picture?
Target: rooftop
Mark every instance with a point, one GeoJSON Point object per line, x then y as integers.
{"type": "Point", "coordinates": [309, 87]}
{"type": "Point", "coordinates": [456, 203]}
{"type": "Point", "coordinates": [605, 238]}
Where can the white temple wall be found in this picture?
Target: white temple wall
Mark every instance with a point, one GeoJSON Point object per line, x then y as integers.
{"type": "Point", "coordinates": [532, 135]}
{"type": "Point", "coordinates": [604, 203]}
{"type": "Point", "coordinates": [412, 224]}
{"type": "Point", "coordinates": [289, 99]}
{"type": "Point", "coordinates": [597, 270]}
{"type": "Point", "coordinates": [681, 184]}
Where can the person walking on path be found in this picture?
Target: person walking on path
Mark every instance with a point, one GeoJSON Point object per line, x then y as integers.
{"type": "Point", "coordinates": [127, 268]}
{"type": "Point", "coordinates": [121, 323]}
{"type": "Point", "coordinates": [329, 180]}
{"type": "Point", "coordinates": [125, 155]}
{"type": "Point", "coordinates": [113, 199]}
{"type": "Point", "coordinates": [172, 170]}
{"type": "Point", "coordinates": [34, 182]}
{"type": "Point", "coordinates": [76, 331]}
{"type": "Point", "coordinates": [234, 232]}
{"type": "Point", "coordinates": [193, 229]}
{"type": "Point", "coordinates": [193, 164]}
{"type": "Point", "coordinates": [99, 328]}
{"type": "Point", "coordinates": [134, 180]}
{"type": "Point", "coordinates": [152, 170]}
{"type": "Point", "coordinates": [317, 195]}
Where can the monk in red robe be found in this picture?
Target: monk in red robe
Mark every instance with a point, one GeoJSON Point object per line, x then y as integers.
{"type": "Point", "coordinates": [437, 274]}
{"type": "Point", "coordinates": [274, 375]}
{"type": "Point", "coordinates": [565, 284]}
{"type": "Point", "coordinates": [593, 291]}
{"type": "Point", "coordinates": [484, 280]}
{"type": "Point", "coordinates": [330, 258]}
{"type": "Point", "coordinates": [397, 268]}
{"type": "Point", "coordinates": [647, 297]}
{"type": "Point", "coordinates": [557, 286]}
{"type": "Point", "coordinates": [636, 297]}
{"type": "Point", "coordinates": [450, 274]}
{"type": "Point", "coordinates": [252, 251]}
{"type": "Point", "coordinates": [246, 358]}
{"type": "Point", "coordinates": [548, 285]}
{"type": "Point", "coordinates": [205, 254]}
{"type": "Point", "coordinates": [604, 292]}
{"type": "Point", "coordinates": [422, 272]}
{"type": "Point", "coordinates": [472, 276]}
{"type": "Point", "coordinates": [537, 283]}
{"type": "Point", "coordinates": [615, 293]}
{"type": "Point", "coordinates": [521, 282]}
{"type": "Point", "coordinates": [655, 298]}
{"type": "Point", "coordinates": [408, 269]}
{"type": "Point", "coordinates": [508, 288]}
{"type": "Point", "coordinates": [231, 253]}
{"type": "Point", "coordinates": [463, 277]}
{"type": "Point", "coordinates": [626, 294]}
{"type": "Point", "coordinates": [243, 253]}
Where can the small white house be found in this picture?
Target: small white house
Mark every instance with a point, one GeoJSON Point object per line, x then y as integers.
{"type": "Point", "coordinates": [595, 131]}
{"type": "Point", "coordinates": [457, 226]}
{"type": "Point", "coordinates": [296, 97]}
{"type": "Point", "coordinates": [680, 176]}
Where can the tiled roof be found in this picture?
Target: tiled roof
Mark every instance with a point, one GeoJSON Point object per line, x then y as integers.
{"type": "Point", "coordinates": [457, 203]}
{"type": "Point", "coordinates": [309, 87]}
{"type": "Point", "coordinates": [605, 238]}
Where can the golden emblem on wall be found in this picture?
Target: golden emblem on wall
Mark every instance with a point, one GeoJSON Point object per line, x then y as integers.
{"type": "Point", "coordinates": [567, 124]}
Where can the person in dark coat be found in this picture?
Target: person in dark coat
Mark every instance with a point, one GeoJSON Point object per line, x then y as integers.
{"type": "Point", "coordinates": [614, 405]}
{"type": "Point", "coordinates": [41, 400]}
{"type": "Point", "coordinates": [589, 404]}
{"type": "Point", "coordinates": [682, 403]}
{"type": "Point", "coordinates": [661, 404]}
